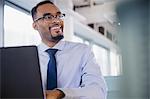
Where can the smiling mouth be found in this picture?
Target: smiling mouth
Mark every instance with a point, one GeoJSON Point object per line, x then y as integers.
{"type": "Point", "coordinates": [56, 28]}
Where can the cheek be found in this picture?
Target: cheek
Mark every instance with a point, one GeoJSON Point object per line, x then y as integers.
{"type": "Point", "coordinates": [43, 28]}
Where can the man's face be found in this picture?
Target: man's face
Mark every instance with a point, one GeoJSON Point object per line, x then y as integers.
{"type": "Point", "coordinates": [50, 29]}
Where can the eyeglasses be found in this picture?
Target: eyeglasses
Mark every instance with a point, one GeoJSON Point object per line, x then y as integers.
{"type": "Point", "coordinates": [50, 17]}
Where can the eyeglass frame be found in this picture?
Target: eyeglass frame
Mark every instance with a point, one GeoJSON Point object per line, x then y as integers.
{"type": "Point", "coordinates": [59, 16]}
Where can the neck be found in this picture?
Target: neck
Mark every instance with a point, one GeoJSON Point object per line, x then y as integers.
{"type": "Point", "coordinates": [50, 43]}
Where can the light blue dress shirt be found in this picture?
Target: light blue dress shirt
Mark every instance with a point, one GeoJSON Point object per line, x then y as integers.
{"type": "Point", "coordinates": [78, 74]}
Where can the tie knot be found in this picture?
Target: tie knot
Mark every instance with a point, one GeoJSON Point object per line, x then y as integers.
{"type": "Point", "coordinates": [51, 51]}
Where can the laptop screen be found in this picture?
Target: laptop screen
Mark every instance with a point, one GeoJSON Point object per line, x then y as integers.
{"type": "Point", "coordinates": [20, 73]}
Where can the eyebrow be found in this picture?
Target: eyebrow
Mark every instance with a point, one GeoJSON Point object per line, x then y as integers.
{"type": "Point", "coordinates": [45, 14]}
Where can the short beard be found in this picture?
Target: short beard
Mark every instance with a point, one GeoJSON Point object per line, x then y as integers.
{"type": "Point", "coordinates": [57, 38]}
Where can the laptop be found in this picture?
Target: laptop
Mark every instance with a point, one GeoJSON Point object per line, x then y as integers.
{"type": "Point", "coordinates": [20, 73]}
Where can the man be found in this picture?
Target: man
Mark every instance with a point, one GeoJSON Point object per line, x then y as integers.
{"type": "Point", "coordinates": [78, 75]}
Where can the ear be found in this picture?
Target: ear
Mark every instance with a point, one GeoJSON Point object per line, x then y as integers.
{"type": "Point", "coordinates": [34, 25]}
{"type": "Point", "coordinates": [62, 23]}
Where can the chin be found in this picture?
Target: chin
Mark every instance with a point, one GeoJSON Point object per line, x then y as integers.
{"type": "Point", "coordinates": [58, 38]}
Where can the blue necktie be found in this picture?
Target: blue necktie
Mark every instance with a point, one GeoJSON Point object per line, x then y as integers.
{"type": "Point", "coordinates": [52, 70]}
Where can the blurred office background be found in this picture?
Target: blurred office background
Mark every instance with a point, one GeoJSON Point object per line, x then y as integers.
{"type": "Point", "coordinates": [116, 30]}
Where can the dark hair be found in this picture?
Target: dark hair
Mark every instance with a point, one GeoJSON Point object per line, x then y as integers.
{"type": "Point", "coordinates": [34, 9]}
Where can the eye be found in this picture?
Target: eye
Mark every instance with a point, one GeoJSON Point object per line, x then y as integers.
{"type": "Point", "coordinates": [48, 17]}
{"type": "Point", "coordinates": [61, 16]}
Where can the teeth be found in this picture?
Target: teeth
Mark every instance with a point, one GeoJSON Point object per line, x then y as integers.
{"type": "Point", "coordinates": [56, 27]}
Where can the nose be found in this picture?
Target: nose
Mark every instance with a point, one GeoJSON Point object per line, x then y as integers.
{"type": "Point", "coordinates": [56, 20]}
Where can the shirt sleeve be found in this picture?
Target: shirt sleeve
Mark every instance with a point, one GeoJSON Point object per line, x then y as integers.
{"type": "Point", "coordinates": [92, 84]}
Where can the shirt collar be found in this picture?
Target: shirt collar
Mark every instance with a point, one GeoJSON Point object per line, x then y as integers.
{"type": "Point", "coordinates": [60, 45]}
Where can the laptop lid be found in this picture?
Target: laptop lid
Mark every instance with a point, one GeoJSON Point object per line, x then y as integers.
{"type": "Point", "coordinates": [20, 73]}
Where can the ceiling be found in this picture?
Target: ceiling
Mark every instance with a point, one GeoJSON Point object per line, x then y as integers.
{"type": "Point", "coordinates": [100, 10]}
{"type": "Point", "coordinates": [97, 10]}
{"type": "Point", "coordinates": [91, 2]}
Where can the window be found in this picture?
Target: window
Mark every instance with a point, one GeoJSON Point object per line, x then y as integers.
{"type": "Point", "coordinates": [102, 58]}
{"type": "Point", "coordinates": [109, 61]}
{"type": "Point", "coordinates": [109, 35]}
{"type": "Point", "coordinates": [115, 63]}
{"type": "Point", "coordinates": [86, 42]}
{"type": "Point", "coordinates": [91, 25]}
{"type": "Point", "coordinates": [80, 40]}
{"type": "Point", "coordinates": [101, 30]}
{"type": "Point", "coordinates": [18, 28]}
{"type": "Point", "coordinates": [77, 39]}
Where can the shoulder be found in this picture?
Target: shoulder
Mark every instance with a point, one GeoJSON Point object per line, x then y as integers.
{"type": "Point", "coordinates": [76, 45]}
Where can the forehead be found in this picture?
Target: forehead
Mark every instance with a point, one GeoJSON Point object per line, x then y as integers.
{"type": "Point", "coordinates": [47, 8]}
